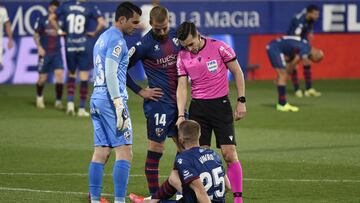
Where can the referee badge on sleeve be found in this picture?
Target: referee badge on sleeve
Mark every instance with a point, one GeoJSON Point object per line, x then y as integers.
{"type": "Point", "coordinates": [212, 66]}
{"type": "Point", "coordinates": [117, 50]}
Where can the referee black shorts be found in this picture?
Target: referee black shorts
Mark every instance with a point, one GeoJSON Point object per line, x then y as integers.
{"type": "Point", "coordinates": [214, 114]}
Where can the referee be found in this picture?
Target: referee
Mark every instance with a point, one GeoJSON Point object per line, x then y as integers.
{"type": "Point", "coordinates": [206, 62]}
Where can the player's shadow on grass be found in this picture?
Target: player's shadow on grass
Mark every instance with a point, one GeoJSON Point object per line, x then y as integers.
{"type": "Point", "coordinates": [275, 150]}
{"type": "Point", "coordinates": [49, 105]}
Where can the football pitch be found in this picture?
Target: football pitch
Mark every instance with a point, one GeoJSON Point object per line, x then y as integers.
{"type": "Point", "coordinates": [309, 156]}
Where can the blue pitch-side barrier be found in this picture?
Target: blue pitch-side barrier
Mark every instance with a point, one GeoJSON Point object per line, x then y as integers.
{"type": "Point", "coordinates": [231, 21]}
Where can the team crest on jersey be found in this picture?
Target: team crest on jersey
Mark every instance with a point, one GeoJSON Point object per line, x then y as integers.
{"type": "Point", "coordinates": [138, 43]}
{"type": "Point", "coordinates": [212, 66]}
{"type": "Point", "coordinates": [159, 131]}
{"type": "Point", "coordinates": [127, 135]}
{"type": "Point", "coordinates": [156, 47]}
{"type": "Point", "coordinates": [117, 50]}
{"type": "Point", "coordinates": [131, 51]}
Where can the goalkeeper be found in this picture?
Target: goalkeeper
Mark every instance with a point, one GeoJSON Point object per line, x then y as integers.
{"type": "Point", "coordinates": [109, 113]}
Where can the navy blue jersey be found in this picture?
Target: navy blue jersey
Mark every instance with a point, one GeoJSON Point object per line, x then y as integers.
{"type": "Point", "coordinates": [159, 62]}
{"type": "Point", "coordinates": [76, 15]}
{"type": "Point", "coordinates": [205, 164]}
{"type": "Point", "coordinates": [300, 26]}
{"type": "Point", "coordinates": [291, 45]}
{"type": "Point", "coordinates": [49, 39]}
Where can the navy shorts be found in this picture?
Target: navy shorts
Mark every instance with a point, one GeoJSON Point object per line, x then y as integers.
{"type": "Point", "coordinates": [161, 120]}
{"type": "Point", "coordinates": [276, 57]}
{"type": "Point", "coordinates": [78, 60]}
{"type": "Point", "coordinates": [51, 62]}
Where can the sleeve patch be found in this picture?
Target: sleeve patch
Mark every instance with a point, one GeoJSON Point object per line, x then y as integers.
{"type": "Point", "coordinates": [117, 50]}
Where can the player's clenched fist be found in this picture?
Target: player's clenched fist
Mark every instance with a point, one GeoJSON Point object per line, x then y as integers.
{"type": "Point", "coordinates": [122, 116]}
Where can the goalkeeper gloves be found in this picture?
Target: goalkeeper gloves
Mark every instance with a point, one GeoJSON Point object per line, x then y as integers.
{"type": "Point", "coordinates": [122, 116]}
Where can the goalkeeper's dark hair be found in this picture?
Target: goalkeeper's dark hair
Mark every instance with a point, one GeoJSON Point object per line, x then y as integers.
{"type": "Point", "coordinates": [127, 9]}
{"type": "Point", "coordinates": [185, 29]}
{"type": "Point", "coordinates": [312, 7]}
{"type": "Point", "coordinates": [54, 3]}
{"type": "Point", "coordinates": [190, 131]}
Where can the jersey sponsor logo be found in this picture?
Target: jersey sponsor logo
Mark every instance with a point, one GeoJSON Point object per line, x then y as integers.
{"type": "Point", "coordinates": [187, 174]}
{"type": "Point", "coordinates": [117, 50]}
{"type": "Point", "coordinates": [131, 52]}
{"type": "Point", "coordinates": [212, 66]}
{"type": "Point", "coordinates": [159, 131]}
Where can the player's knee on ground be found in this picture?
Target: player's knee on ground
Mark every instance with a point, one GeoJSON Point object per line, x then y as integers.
{"type": "Point", "coordinates": [174, 180]}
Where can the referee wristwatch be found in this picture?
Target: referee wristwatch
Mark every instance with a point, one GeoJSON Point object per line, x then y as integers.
{"type": "Point", "coordinates": [241, 99]}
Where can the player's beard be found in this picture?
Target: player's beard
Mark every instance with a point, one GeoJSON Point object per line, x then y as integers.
{"type": "Point", "coordinates": [161, 37]}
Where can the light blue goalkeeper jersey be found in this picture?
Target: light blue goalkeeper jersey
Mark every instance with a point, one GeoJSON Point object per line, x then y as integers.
{"type": "Point", "coordinates": [111, 44]}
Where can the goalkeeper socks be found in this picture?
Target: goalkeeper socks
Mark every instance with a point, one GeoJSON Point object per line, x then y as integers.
{"type": "Point", "coordinates": [282, 94]}
{"type": "Point", "coordinates": [121, 173]}
{"type": "Point", "coordinates": [152, 170]}
{"type": "Point", "coordinates": [235, 177]}
{"type": "Point", "coordinates": [96, 171]}
{"type": "Point", "coordinates": [295, 80]}
{"type": "Point", "coordinates": [307, 77]}
{"type": "Point", "coordinates": [39, 89]}
{"type": "Point", "coordinates": [166, 191]}
{"type": "Point", "coordinates": [83, 93]}
{"type": "Point", "coordinates": [70, 89]}
{"type": "Point", "coordinates": [59, 90]}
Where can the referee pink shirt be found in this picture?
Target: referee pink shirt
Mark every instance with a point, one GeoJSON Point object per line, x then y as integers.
{"type": "Point", "coordinates": [206, 69]}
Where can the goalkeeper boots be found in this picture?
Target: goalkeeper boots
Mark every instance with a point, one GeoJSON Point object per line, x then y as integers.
{"type": "Point", "coordinates": [40, 102]}
{"type": "Point", "coordinates": [312, 93]}
{"type": "Point", "coordinates": [70, 108]}
{"type": "Point", "coordinates": [82, 113]}
{"type": "Point", "coordinates": [287, 108]}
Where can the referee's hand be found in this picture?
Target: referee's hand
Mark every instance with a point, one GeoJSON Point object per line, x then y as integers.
{"type": "Point", "coordinates": [240, 111]}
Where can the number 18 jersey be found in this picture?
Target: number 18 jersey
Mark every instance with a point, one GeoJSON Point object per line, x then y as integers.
{"type": "Point", "coordinates": [75, 15]}
{"type": "Point", "coordinates": [205, 164]}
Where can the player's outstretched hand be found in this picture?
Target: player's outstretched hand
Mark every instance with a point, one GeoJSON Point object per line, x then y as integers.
{"type": "Point", "coordinates": [122, 116]}
{"type": "Point", "coordinates": [240, 111]}
{"type": "Point", "coordinates": [151, 93]}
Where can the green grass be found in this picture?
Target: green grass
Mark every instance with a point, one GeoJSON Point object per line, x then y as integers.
{"type": "Point", "coordinates": [309, 156]}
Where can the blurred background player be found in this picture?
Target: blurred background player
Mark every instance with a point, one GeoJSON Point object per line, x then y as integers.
{"type": "Point", "coordinates": [5, 22]}
{"type": "Point", "coordinates": [206, 62]}
{"type": "Point", "coordinates": [50, 59]}
{"type": "Point", "coordinates": [158, 51]}
{"type": "Point", "coordinates": [76, 15]}
{"type": "Point", "coordinates": [145, 17]}
{"type": "Point", "coordinates": [295, 49]}
{"type": "Point", "coordinates": [303, 25]}
{"type": "Point", "coordinates": [109, 112]}
{"type": "Point", "coordinates": [199, 173]}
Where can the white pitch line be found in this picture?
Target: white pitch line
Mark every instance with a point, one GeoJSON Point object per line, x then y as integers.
{"type": "Point", "coordinates": [140, 175]}
{"type": "Point", "coordinates": [48, 191]}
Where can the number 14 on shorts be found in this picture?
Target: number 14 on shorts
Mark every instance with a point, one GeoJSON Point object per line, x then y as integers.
{"type": "Point", "coordinates": [160, 119]}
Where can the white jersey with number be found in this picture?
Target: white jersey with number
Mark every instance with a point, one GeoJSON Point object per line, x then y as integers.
{"type": "Point", "coordinates": [3, 19]}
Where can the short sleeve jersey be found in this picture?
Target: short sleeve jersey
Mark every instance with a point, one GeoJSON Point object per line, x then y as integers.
{"type": "Point", "coordinates": [205, 164]}
{"type": "Point", "coordinates": [207, 69]}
